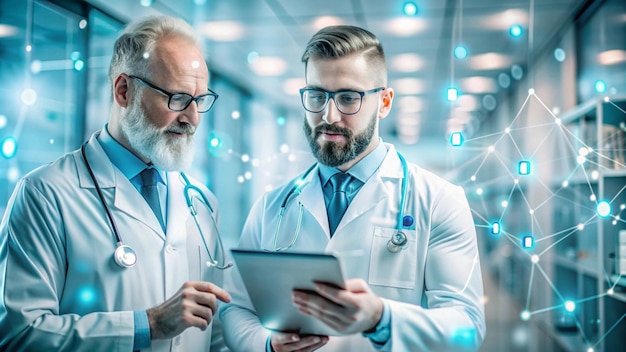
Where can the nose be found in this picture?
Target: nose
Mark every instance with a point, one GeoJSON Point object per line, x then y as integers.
{"type": "Point", "coordinates": [331, 114]}
{"type": "Point", "coordinates": [190, 115]}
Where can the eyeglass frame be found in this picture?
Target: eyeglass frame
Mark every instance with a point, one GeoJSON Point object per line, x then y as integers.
{"type": "Point", "coordinates": [171, 95]}
{"type": "Point", "coordinates": [331, 95]}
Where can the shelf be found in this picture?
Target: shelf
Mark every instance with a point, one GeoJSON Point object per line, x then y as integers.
{"type": "Point", "coordinates": [569, 341]}
{"type": "Point", "coordinates": [582, 266]}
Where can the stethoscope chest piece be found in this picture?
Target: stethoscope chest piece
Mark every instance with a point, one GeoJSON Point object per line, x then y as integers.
{"type": "Point", "coordinates": [125, 256]}
{"type": "Point", "coordinates": [397, 242]}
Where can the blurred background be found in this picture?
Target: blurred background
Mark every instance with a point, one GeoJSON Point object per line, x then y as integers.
{"type": "Point", "coordinates": [522, 102]}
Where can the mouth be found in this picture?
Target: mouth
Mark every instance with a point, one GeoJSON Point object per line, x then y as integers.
{"type": "Point", "coordinates": [332, 136]}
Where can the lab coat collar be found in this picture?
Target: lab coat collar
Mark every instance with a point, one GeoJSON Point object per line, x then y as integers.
{"type": "Point", "coordinates": [313, 200]}
{"type": "Point", "coordinates": [124, 196]}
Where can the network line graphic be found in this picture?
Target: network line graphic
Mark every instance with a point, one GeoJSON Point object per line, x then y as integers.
{"type": "Point", "coordinates": [553, 188]}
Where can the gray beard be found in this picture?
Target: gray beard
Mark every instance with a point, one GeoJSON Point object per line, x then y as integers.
{"type": "Point", "coordinates": [165, 152]}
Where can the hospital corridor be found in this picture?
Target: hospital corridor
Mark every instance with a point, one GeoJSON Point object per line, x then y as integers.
{"type": "Point", "coordinates": [332, 175]}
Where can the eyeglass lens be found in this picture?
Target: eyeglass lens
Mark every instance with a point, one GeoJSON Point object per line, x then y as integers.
{"type": "Point", "coordinates": [347, 102]}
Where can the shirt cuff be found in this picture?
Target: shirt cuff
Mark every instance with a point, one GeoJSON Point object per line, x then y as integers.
{"type": "Point", "coordinates": [142, 330]}
{"type": "Point", "coordinates": [381, 335]}
{"type": "Point", "coordinates": [268, 345]}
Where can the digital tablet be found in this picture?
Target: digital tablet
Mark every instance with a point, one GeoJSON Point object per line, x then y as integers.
{"type": "Point", "coordinates": [271, 277]}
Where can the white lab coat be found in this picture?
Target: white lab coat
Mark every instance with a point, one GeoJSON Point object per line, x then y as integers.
{"type": "Point", "coordinates": [62, 290]}
{"type": "Point", "coordinates": [433, 287]}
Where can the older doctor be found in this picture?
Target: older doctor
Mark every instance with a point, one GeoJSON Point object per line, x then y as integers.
{"type": "Point", "coordinates": [63, 289]}
{"type": "Point", "coordinates": [422, 295]}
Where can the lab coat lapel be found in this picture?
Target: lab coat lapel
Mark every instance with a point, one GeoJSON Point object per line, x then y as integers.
{"type": "Point", "coordinates": [312, 199]}
{"type": "Point", "coordinates": [124, 197]}
{"type": "Point", "coordinates": [375, 191]}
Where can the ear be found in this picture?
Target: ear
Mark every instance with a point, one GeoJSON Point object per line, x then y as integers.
{"type": "Point", "coordinates": [387, 101]}
{"type": "Point", "coordinates": [121, 91]}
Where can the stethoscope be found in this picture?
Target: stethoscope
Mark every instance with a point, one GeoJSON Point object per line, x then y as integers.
{"type": "Point", "coordinates": [396, 243]}
{"type": "Point", "coordinates": [125, 256]}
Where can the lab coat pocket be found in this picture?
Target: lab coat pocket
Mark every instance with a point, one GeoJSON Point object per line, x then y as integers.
{"type": "Point", "coordinates": [393, 269]}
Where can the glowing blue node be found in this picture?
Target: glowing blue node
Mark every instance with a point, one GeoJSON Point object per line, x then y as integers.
{"type": "Point", "coordinates": [409, 8]}
{"type": "Point", "coordinates": [146, 3]}
{"type": "Point", "coordinates": [504, 80]}
{"type": "Point", "coordinates": [603, 208]}
{"type": "Point", "coordinates": [452, 94]}
{"type": "Point", "coordinates": [495, 228]}
{"type": "Point", "coordinates": [559, 54]}
{"type": "Point", "coordinates": [281, 120]}
{"type": "Point", "coordinates": [523, 168]}
{"type": "Point", "coordinates": [460, 52]}
{"type": "Point", "coordinates": [78, 65]}
{"type": "Point", "coordinates": [570, 306]}
{"type": "Point", "coordinates": [600, 86]}
{"type": "Point", "coordinates": [86, 295]}
{"type": "Point", "coordinates": [515, 30]}
{"type": "Point", "coordinates": [9, 147]}
{"type": "Point", "coordinates": [253, 57]}
{"type": "Point", "coordinates": [528, 242]}
{"type": "Point", "coordinates": [517, 72]}
{"type": "Point", "coordinates": [464, 337]}
{"type": "Point", "coordinates": [456, 139]}
{"type": "Point", "coordinates": [525, 315]}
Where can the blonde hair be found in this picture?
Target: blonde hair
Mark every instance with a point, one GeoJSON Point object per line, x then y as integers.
{"type": "Point", "coordinates": [338, 41]}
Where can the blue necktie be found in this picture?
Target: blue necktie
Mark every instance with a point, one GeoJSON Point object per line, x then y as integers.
{"type": "Point", "coordinates": [339, 201]}
{"type": "Point", "coordinates": [149, 179]}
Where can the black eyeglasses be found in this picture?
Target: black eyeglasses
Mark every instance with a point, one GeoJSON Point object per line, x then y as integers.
{"type": "Point", "coordinates": [348, 102]}
{"type": "Point", "coordinates": [180, 101]}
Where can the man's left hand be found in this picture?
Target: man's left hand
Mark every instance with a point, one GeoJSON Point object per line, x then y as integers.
{"type": "Point", "coordinates": [351, 310]}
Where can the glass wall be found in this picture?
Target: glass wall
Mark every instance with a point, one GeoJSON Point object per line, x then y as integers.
{"type": "Point", "coordinates": [43, 50]}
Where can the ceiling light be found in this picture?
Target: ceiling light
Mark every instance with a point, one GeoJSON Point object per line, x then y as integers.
{"type": "Point", "coordinates": [406, 63]}
{"type": "Point", "coordinates": [478, 85]}
{"type": "Point", "coordinates": [325, 21]}
{"type": "Point", "coordinates": [505, 19]}
{"type": "Point", "coordinates": [611, 57]}
{"type": "Point", "coordinates": [7, 31]}
{"type": "Point", "coordinates": [269, 66]}
{"type": "Point", "coordinates": [489, 61]}
{"type": "Point", "coordinates": [405, 26]}
{"type": "Point", "coordinates": [292, 86]}
{"type": "Point", "coordinates": [408, 86]}
{"type": "Point", "coordinates": [222, 31]}
{"type": "Point", "coordinates": [409, 104]}
{"type": "Point", "coordinates": [467, 102]}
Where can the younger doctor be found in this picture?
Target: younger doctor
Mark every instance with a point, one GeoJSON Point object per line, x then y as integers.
{"type": "Point", "coordinates": [63, 288]}
{"type": "Point", "coordinates": [422, 295]}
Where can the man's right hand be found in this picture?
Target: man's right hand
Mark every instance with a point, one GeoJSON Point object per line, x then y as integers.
{"type": "Point", "coordinates": [283, 342]}
{"type": "Point", "coordinates": [194, 304]}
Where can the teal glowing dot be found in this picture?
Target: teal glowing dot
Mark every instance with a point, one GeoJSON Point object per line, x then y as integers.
{"type": "Point", "coordinates": [525, 315]}
{"type": "Point", "coordinates": [409, 8]}
{"type": "Point", "coordinates": [79, 65]}
{"type": "Point", "coordinates": [253, 57]}
{"type": "Point", "coordinates": [9, 147]}
{"type": "Point", "coordinates": [465, 337]}
{"type": "Point", "coordinates": [281, 120]}
{"type": "Point", "coordinates": [495, 228]}
{"type": "Point", "coordinates": [528, 241]}
{"type": "Point", "coordinates": [86, 296]}
{"type": "Point", "coordinates": [570, 306]}
{"type": "Point", "coordinates": [523, 168]}
{"type": "Point", "coordinates": [460, 52]}
{"type": "Point", "coordinates": [559, 54]}
{"type": "Point", "coordinates": [603, 208]}
{"type": "Point", "coordinates": [515, 31]}
{"type": "Point", "coordinates": [452, 94]}
{"type": "Point", "coordinates": [600, 86]}
{"type": "Point", "coordinates": [146, 3]}
{"type": "Point", "coordinates": [214, 142]}
{"type": "Point", "coordinates": [456, 139]}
